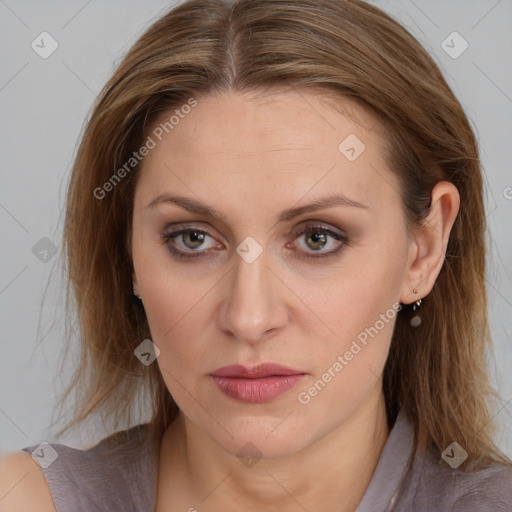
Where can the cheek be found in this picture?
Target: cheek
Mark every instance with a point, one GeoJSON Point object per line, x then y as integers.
{"type": "Point", "coordinates": [170, 299]}
{"type": "Point", "coordinates": [367, 286]}
{"type": "Point", "coordinates": [173, 307]}
{"type": "Point", "coordinates": [348, 368]}
{"type": "Point", "coordinates": [361, 309]}
{"type": "Point", "coordinates": [172, 292]}
{"type": "Point", "coordinates": [173, 310]}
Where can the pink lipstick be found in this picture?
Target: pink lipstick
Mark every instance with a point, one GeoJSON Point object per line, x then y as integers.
{"type": "Point", "coordinates": [258, 384]}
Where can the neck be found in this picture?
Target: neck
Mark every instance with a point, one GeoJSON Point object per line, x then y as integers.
{"type": "Point", "coordinates": [343, 462]}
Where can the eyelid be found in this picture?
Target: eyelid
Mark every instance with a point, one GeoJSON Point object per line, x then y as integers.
{"type": "Point", "coordinates": [314, 224]}
{"type": "Point", "coordinates": [175, 233]}
{"type": "Point", "coordinates": [320, 226]}
{"type": "Point", "coordinates": [302, 229]}
{"type": "Point", "coordinates": [172, 229]}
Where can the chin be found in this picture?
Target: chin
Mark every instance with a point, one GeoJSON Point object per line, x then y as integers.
{"type": "Point", "coordinates": [267, 437]}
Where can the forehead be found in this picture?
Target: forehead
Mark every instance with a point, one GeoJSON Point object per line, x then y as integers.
{"type": "Point", "coordinates": [280, 119]}
{"type": "Point", "coordinates": [290, 143]}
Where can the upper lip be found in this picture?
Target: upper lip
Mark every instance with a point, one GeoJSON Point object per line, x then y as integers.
{"type": "Point", "coordinates": [255, 372]}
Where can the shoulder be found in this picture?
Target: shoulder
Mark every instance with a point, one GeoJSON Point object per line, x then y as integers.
{"type": "Point", "coordinates": [23, 485]}
{"type": "Point", "coordinates": [123, 464]}
{"type": "Point", "coordinates": [480, 487]}
{"type": "Point", "coordinates": [437, 483]}
{"type": "Point", "coordinates": [486, 488]}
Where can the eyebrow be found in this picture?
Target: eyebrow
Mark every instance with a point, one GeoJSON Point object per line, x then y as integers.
{"type": "Point", "coordinates": [194, 206]}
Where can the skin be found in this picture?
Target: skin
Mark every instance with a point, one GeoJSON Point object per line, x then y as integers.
{"type": "Point", "coordinates": [250, 158]}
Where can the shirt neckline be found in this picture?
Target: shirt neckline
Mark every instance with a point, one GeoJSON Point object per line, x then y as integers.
{"type": "Point", "coordinates": [386, 484]}
{"type": "Point", "coordinates": [389, 476]}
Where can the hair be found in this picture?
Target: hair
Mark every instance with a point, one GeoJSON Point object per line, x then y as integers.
{"type": "Point", "coordinates": [437, 372]}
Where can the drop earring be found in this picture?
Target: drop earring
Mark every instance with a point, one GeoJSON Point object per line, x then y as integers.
{"type": "Point", "coordinates": [417, 304]}
{"type": "Point", "coordinates": [416, 319]}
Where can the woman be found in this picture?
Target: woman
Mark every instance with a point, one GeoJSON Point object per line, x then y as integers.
{"type": "Point", "coordinates": [275, 239]}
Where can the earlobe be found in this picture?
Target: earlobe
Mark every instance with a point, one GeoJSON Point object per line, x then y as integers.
{"type": "Point", "coordinates": [135, 285]}
{"type": "Point", "coordinates": [430, 242]}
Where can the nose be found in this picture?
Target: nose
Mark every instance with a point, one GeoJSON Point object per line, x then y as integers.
{"type": "Point", "coordinates": [255, 307]}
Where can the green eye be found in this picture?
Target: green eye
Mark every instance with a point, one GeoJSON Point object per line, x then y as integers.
{"type": "Point", "coordinates": [183, 244]}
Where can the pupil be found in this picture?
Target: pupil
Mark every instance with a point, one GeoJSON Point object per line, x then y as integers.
{"type": "Point", "coordinates": [195, 237]}
{"type": "Point", "coordinates": [318, 237]}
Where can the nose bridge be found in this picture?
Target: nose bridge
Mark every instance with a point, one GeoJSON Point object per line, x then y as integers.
{"type": "Point", "coordinates": [253, 307]}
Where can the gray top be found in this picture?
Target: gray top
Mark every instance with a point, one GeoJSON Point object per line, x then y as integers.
{"type": "Point", "coordinates": [120, 474]}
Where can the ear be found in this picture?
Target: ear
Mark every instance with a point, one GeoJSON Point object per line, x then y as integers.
{"type": "Point", "coordinates": [135, 284]}
{"type": "Point", "coordinates": [429, 242]}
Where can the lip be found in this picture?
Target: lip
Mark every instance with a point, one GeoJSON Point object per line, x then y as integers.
{"type": "Point", "coordinates": [257, 384]}
{"type": "Point", "coordinates": [255, 372]}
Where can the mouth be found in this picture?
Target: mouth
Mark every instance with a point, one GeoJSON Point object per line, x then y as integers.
{"type": "Point", "coordinates": [257, 384]}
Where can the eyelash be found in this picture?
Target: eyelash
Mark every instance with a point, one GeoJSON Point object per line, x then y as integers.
{"type": "Point", "coordinates": [180, 255]}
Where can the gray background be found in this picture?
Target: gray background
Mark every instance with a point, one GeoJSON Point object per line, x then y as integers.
{"type": "Point", "coordinates": [43, 104]}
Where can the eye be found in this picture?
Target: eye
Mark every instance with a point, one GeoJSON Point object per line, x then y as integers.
{"type": "Point", "coordinates": [315, 238]}
{"type": "Point", "coordinates": [188, 240]}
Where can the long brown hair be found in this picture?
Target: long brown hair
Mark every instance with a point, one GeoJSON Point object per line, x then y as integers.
{"type": "Point", "coordinates": [436, 372]}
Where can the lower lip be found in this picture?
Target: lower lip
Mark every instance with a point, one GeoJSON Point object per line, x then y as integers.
{"type": "Point", "coordinates": [256, 391]}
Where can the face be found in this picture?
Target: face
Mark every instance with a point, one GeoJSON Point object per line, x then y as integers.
{"type": "Point", "coordinates": [253, 276]}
